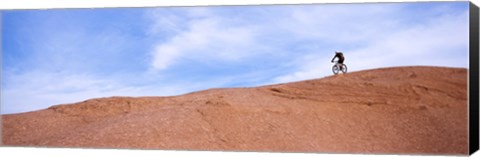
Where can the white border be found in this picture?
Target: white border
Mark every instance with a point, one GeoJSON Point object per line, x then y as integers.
{"type": "Point", "coordinates": [81, 152]}
{"type": "Point", "coordinates": [55, 4]}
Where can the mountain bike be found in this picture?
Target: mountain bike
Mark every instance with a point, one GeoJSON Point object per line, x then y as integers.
{"type": "Point", "coordinates": [337, 67]}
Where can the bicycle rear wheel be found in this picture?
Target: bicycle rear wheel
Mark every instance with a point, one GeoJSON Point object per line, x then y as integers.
{"type": "Point", "coordinates": [344, 68]}
{"type": "Point", "coordinates": [335, 69]}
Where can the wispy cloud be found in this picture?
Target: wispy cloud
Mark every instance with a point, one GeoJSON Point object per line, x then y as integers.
{"type": "Point", "coordinates": [204, 37]}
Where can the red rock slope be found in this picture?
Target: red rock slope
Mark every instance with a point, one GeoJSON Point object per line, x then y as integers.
{"type": "Point", "coordinates": [407, 110]}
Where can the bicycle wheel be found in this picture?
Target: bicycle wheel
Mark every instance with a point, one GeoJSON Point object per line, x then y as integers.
{"type": "Point", "coordinates": [335, 69]}
{"type": "Point", "coordinates": [344, 68]}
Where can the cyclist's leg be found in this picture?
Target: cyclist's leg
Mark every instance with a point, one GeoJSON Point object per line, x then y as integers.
{"type": "Point", "coordinates": [340, 61]}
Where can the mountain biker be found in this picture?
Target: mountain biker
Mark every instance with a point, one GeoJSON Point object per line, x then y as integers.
{"type": "Point", "coordinates": [340, 56]}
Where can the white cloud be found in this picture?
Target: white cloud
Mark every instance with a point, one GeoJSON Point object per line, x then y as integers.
{"type": "Point", "coordinates": [310, 66]}
{"type": "Point", "coordinates": [39, 89]}
{"type": "Point", "coordinates": [445, 37]}
{"type": "Point", "coordinates": [340, 23]}
{"type": "Point", "coordinates": [206, 37]}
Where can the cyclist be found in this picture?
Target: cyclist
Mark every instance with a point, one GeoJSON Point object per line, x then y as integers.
{"type": "Point", "coordinates": [340, 56]}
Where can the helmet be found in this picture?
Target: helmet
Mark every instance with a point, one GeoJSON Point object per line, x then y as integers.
{"type": "Point", "coordinates": [338, 52]}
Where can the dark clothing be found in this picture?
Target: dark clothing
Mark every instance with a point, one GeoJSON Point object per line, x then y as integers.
{"type": "Point", "coordinates": [340, 57]}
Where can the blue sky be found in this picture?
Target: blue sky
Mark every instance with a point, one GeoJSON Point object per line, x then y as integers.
{"type": "Point", "coordinates": [62, 56]}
